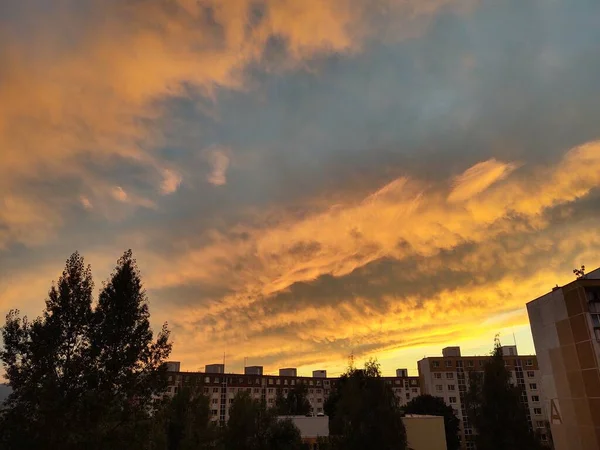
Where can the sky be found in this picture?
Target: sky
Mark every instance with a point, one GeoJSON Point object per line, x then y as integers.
{"type": "Point", "coordinates": [303, 180]}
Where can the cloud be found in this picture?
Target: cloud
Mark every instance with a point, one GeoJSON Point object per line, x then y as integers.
{"type": "Point", "coordinates": [120, 195]}
{"type": "Point", "coordinates": [171, 182]}
{"type": "Point", "coordinates": [344, 225]}
{"type": "Point", "coordinates": [96, 93]}
{"type": "Point", "coordinates": [219, 163]}
{"type": "Point", "coordinates": [478, 178]}
{"type": "Point", "coordinates": [451, 266]}
{"type": "Point", "coordinates": [85, 202]}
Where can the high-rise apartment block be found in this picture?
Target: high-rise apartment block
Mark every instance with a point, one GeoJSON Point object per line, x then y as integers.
{"type": "Point", "coordinates": [221, 388]}
{"type": "Point", "coordinates": [565, 324]}
{"type": "Point", "coordinates": [447, 377]}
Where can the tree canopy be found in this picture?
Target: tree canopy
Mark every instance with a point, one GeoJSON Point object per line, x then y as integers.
{"type": "Point", "coordinates": [295, 403]}
{"type": "Point", "coordinates": [364, 412]}
{"type": "Point", "coordinates": [252, 426]}
{"type": "Point", "coordinates": [495, 409]}
{"type": "Point", "coordinates": [83, 377]}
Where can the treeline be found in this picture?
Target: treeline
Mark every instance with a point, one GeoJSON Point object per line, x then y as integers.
{"type": "Point", "coordinates": [92, 375]}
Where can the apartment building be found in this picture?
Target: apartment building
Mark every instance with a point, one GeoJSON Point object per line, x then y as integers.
{"type": "Point", "coordinates": [447, 377]}
{"type": "Point", "coordinates": [221, 388]}
{"type": "Point", "coordinates": [565, 324]}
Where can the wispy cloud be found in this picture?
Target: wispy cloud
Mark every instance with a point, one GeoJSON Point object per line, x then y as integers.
{"type": "Point", "coordinates": [171, 182]}
{"type": "Point", "coordinates": [381, 193]}
{"type": "Point", "coordinates": [218, 160]}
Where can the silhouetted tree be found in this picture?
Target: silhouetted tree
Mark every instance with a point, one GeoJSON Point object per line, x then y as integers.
{"type": "Point", "coordinates": [130, 366]}
{"type": "Point", "coordinates": [252, 427]}
{"type": "Point", "coordinates": [495, 409]}
{"type": "Point", "coordinates": [295, 403]}
{"type": "Point", "coordinates": [364, 412]}
{"type": "Point", "coordinates": [82, 378]}
{"type": "Point", "coordinates": [435, 406]}
{"type": "Point", "coordinates": [183, 422]}
{"type": "Point", "coordinates": [45, 362]}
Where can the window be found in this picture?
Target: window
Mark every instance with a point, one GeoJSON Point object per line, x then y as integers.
{"type": "Point", "coordinates": [537, 411]}
{"type": "Point", "coordinates": [256, 390]}
{"type": "Point", "coordinates": [414, 390]}
{"type": "Point", "coordinates": [450, 375]}
{"type": "Point", "coordinates": [436, 364]}
{"type": "Point", "coordinates": [318, 391]}
{"type": "Point", "coordinates": [293, 382]}
{"type": "Point", "coordinates": [215, 401]}
{"type": "Point", "coordinates": [206, 379]}
{"type": "Point", "coordinates": [311, 391]}
{"type": "Point", "coordinates": [270, 400]}
{"type": "Point", "coordinates": [278, 382]}
{"type": "Point", "coordinates": [452, 400]}
{"type": "Point", "coordinates": [535, 398]}
{"type": "Point", "coordinates": [529, 362]}
{"type": "Point", "coordinates": [214, 412]}
{"type": "Point", "coordinates": [451, 387]}
{"type": "Point", "coordinates": [533, 386]}
{"type": "Point", "coordinates": [530, 373]}
{"type": "Point", "coordinates": [216, 380]}
{"type": "Point", "coordinates": [215, 390]}
{"type": "Point", "coordinates": [439, 387]}
{"type": "Point", "coordinates": [470, 364]}
{"type": "Point", "coordinates": [448, 363]}
{"type": "Point", "coordinates": [285, 382]}
{"type": "Point", "coordinates": [206, 390]}
{"type": "Point", "coordinates": [270, 391]}
{"type": "Point", "coordinates": [319, 410]}
{"type": "Point", "coordinates": [319, 400]}
{"type": "Point", "coordinates": [407, 396]}
{"type": "Point", "coordinates": [310, 383]}
{"type": "Point", "coordinates": [397, 382]}
{"type": "Point", "coordinates": [170, 377]}
{"type": "Point", "coordinates": [437, 375]}
{"type": "Point", "coordinates": [540, 424]}
{"type": "Point", "coordinates": [230, 401]}
{"type": "Point", "coordinates": [459, 363]}
{"type": "Point", "coordinates": [285, 391]}
{"type": "Point", "coordinates": [271, 381]}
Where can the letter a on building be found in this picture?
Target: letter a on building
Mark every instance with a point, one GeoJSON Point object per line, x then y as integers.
{"type": "Point", "coordinates": [555, 417]}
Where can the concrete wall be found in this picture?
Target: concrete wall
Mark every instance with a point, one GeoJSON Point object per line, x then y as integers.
{"type": "Point", "coordinates": [568, 356]}
{"type": "Point", "coordinates": [425, 432]}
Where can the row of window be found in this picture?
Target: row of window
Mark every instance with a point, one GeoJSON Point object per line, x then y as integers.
{"type": "Point", "coordinates": [450, 375]}
{"type": "Point", "coordinates": [257, 381]}
{"type": "Point", "coordinates": [216, 390]}
{"type": "Point", "coordinates": [471, 363]}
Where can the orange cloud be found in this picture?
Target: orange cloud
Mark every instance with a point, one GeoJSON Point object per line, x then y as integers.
{"type": "Point", "coordinates": [406, 219]}
{"type": "Point", "coordinates": [94, 92]}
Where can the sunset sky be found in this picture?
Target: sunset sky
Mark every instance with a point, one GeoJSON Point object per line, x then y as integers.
{"type": "Point", "coordinates": [303, 179]}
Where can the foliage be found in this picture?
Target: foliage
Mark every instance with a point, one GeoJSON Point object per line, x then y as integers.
{"type": "Point", "coordinates": [295, 403]}
{"type": "Point", "coordinates": [252, 427]}
{"type": "Point", "coordinates": [435, 406]}
{"type": "Point", "coordinates": [364, 412]}
{"type": "Point", "coordinates": [495, 409]}
{"type": "Point", "coordinates": [183, 422]}
{"type": "Point", "coordinates": [83, 377]}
